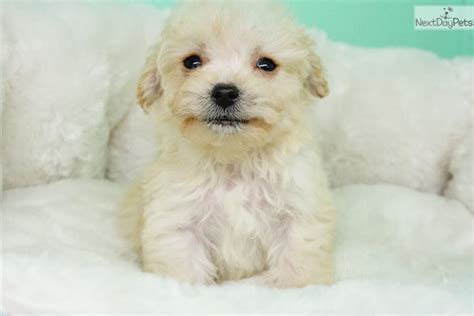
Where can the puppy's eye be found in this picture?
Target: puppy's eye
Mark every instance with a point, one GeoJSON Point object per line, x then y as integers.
{"type": "Point", "coordinates": [266, 64]}
{"type": "Point", "coordinates": [192, 62]}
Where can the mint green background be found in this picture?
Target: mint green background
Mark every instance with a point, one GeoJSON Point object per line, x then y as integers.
{"type": "Point", "coordinates": [373, 23]}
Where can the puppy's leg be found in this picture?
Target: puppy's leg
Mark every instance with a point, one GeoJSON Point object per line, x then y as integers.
{"type": "Point", "coordinates": [170, 250]}
{"type": "Point", "coordinates": [302, 252]}
{"type": "Point", "coordinates": [131, 216]}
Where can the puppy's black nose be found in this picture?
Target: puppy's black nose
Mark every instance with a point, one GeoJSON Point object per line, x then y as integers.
{"type": "Point", "coordinates": [224, 95]}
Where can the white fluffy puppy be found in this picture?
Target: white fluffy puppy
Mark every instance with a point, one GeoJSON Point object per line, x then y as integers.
{"type": "Point", "coordinates": [238, 189]}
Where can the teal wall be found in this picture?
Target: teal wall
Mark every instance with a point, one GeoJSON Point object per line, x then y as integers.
{"type": "Point", "coordinates": [373, 23]}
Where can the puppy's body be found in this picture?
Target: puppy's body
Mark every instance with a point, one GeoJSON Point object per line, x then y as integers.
{"type": "Point", "coordinates": [238, 190]}
{"type": "Point", "coordinates": [205, 222]}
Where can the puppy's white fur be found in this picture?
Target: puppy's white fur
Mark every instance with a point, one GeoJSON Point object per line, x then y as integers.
{"type": "Point", "coordinates": [223, 204]}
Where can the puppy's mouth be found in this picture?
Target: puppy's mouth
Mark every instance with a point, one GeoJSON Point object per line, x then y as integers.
{"type": "Point", "coordinates": [226, 121]}
{"type": "Point", "coordinates": [226, 125]}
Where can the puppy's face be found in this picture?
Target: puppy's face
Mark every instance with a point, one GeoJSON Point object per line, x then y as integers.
{"type": "Point", "coordinates": [229, 76]}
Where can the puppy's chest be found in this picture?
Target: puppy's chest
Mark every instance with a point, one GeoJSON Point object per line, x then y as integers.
{"type": "Point", "coordinates": [241, 216]}
{"type": "Point", "coordinates": [241, 206]}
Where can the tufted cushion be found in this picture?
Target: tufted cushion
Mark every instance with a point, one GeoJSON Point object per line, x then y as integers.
{"type": "Point", "coordinates": [68, 78]}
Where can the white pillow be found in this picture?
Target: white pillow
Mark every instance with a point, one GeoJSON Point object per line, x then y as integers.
{"type": "Point", "coordinates": [69, 77]}
{"type": "Point", "coordinates": [133, 145]}
{"type": "Point", "coordinates": [397, 115]}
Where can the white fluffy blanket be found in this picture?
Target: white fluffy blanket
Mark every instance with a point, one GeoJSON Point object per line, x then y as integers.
{"type": "Point", "coordinates": [398, 251]}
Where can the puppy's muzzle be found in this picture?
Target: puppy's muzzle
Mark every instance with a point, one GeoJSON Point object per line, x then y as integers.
{"type": "Point", "coordinates": [224, 95]}
{"type": "Point", "coordinates": [225, 117]}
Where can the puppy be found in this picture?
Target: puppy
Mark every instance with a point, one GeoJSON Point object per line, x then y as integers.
{"type": "Point", "coordinates": [238, 189]}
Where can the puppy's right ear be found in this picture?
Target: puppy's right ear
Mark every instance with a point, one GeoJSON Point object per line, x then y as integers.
{"type": "Point", "coordinates": [148, 86]}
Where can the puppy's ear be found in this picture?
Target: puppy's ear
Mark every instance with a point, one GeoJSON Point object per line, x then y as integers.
{"type": "Point", "coordinates": [148, 86]}
{"type": "Point", "coordinates": [316, 81]}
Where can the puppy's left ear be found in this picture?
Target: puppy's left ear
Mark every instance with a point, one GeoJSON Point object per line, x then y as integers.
{"type": "Point", "coordinates": [316, 81]}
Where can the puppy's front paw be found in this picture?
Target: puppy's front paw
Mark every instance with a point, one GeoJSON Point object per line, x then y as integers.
{"type": "Point", "coordinates": [191, 276]}
{"type": "Point", "coordinates": [178, 255]}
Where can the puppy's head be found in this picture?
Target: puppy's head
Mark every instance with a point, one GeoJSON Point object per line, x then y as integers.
{"type": "Point", "coordinates": [232, 74]}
